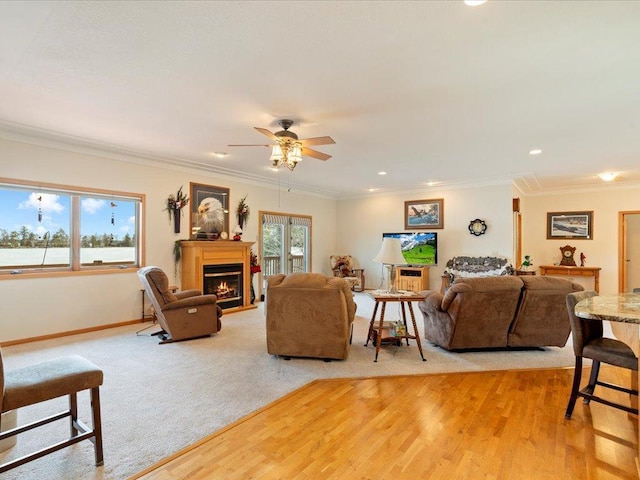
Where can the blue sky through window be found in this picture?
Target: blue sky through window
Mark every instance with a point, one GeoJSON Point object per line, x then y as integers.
{"type": "Point", "coordinates": [47, 212]}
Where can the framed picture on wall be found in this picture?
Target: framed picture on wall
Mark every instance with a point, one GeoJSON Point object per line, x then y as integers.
{"type": "Point", "coordinates": [577, 225]}
{"type": "Point", "coordinates": [421, 214]}
{"type": "Point", "coordinates": [209, 214]}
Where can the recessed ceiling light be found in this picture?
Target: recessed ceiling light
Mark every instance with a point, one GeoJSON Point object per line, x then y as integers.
{"type": "Point", "coordinates": [220, 154]}
{"type": "Point", "coordinates": [608, 176]}
{"type": "Point", "coordinates": [382, 173]}
{"type": "Point", "coordinates": [431, 184]}
{"type": "Point", "coordinates": [373, 189]}
{"type": "Point", "coordinates": [474, 3]}
{"type": "Point", "coordinates": [535, 151]}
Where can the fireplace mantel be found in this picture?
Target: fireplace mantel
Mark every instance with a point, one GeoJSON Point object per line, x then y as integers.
{"type": "Point", "coordinates": [196, 254]}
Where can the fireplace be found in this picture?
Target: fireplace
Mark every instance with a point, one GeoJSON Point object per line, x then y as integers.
{"type": "Point", "coordinates": [219, 257]}
{"type": "Point", "coordinates": [224, 281]}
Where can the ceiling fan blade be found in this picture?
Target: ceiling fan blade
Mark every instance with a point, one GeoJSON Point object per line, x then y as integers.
{"type": "Point", "coordinates": [307, 152]}
{"type": "Point", "coordinates": [251, 145]}
{"type": "Point", "coordinates": [317, 141]}
{"type": "Point", "coordinates": [266, 132]}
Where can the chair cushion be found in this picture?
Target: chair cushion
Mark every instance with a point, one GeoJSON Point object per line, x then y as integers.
{"type": "Point", "coordinates": [47, 380]}
{"type": "Point", "coordinates": [160, 280]}
{"type": "Point", "coordinates": [611, 351]}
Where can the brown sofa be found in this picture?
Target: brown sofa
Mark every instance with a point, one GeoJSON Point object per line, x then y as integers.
{"type": "Point", "coordinates": [499, 312]}
{"type": "Point", "coordinates": [183, 315]}
{"type": "Point", "coordinates": [309, 315]}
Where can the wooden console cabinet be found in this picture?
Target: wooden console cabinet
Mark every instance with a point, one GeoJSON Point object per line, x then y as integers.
{"type": "Point", "coordinates": [196, 254]}
{"type": "Point", "coordinates": [573, 272]}
{"type": "Point", "coordinates": [414, 279]}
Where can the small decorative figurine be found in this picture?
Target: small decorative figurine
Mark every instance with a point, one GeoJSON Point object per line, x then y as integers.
{"type": "Point", "coordinates": [583, 259]}
{"type": "Point", "coordinates": [527, 262]}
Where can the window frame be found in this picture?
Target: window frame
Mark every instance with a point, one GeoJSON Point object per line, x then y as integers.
{"type": "Point", "coordinates": [75, 267]}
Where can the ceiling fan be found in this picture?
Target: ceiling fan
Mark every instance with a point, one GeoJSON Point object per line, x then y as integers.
{"type": "Point", "coordinates": [289, 149]}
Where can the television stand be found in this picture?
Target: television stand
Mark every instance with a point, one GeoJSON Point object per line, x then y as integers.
{"type": "Point", "coordinates": [413, 279]}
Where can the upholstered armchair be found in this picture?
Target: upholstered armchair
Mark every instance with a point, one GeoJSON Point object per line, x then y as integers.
{"type": "Point", "coordinates": [343, 266]}
{"type": "Point", "coordinates": [309, 315]}
{"type": "Point", "coordinates": [183, 315]}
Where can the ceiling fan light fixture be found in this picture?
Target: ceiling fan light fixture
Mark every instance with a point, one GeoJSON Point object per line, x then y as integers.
{"type": "Point", "coordinates": [288, 149]}
{"type": "Point", "coordinates": [295, 153]}
{"type": "Point", "coordinates": [276, 155]}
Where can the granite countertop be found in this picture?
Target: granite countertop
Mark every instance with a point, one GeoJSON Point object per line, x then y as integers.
{"type": "Point", "coordinates": [624, 307]}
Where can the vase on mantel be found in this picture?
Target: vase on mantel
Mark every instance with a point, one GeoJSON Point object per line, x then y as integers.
{"type": "Point", "coordinates": [176, 220]}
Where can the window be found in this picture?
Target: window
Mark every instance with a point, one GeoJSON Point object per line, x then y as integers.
{"type": "Point", "coordinates": [52, 228]}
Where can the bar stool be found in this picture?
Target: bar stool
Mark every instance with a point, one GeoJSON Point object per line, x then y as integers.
{"type": "Point", "coordinates": [47, 380]}
{"type": "Point", "coordinates": [589, 342]}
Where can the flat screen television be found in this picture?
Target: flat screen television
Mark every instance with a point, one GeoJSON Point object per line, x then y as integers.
{"type": "Point", "coordinates": [418, 248]}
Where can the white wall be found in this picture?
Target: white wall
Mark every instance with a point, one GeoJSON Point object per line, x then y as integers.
{"type": "Point", "coordinates": [361, 223]}
{"type": "Point", "coordinates": [36, 307]}
{"type": "Point", "coordinates": [601, 251]}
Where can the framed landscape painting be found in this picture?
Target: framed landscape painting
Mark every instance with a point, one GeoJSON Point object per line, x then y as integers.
{"type": "Point", "coordinates": [209, 214]}
{"type": "Point", "coordinates": [577, 225]}
{"type": "Point", "coordinates": [422, 214]}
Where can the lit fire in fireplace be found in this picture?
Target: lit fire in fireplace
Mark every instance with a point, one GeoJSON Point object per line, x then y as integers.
{"type": "Point", "coordinates": [223, 290]}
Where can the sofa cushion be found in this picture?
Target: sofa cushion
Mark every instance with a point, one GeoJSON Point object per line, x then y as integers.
{"type": "Point", "coordinates": [542, 318]}
{"type": "Point", "coordinates": [545, 282]}
{"type": "Point", "coordinates": [480, 284]}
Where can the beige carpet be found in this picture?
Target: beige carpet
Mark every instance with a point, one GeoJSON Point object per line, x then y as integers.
{"type": "Point", "coordinates": [157, 399]}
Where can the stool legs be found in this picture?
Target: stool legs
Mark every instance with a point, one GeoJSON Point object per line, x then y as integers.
{"type": "Point", "coordinates": [97, 425]}
{"type": "Point", "coordinates": [577, 376]}
{"type": "Point", "coordinates": [73, 412]}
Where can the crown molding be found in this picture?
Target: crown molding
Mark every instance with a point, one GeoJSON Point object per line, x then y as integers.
{"type": "Point", "coordinates": [47, 138]}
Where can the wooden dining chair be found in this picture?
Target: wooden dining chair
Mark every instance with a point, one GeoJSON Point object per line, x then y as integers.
{"type": "Point", "coordinates": [589, 342]}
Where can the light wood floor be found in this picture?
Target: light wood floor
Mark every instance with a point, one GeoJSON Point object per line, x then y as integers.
{"type": "Point", "coordinates": [485, 425]}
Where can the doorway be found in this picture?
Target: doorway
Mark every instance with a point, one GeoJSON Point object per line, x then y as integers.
{"type": "Point", "coordinates": [629, 251]}
{"type": "Point", "coordinates": [285, 243]}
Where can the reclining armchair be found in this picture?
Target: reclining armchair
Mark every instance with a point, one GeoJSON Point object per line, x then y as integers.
{"type": "Point", "coordinates": [183, 315]}
{"type": "Point", "coordinates": [309, 315]}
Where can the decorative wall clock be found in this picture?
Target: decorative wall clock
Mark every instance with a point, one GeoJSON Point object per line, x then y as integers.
{"type": "Point", "coordinates": [477, 227]}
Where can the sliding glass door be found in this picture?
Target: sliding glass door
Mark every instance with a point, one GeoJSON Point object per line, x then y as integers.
{"type": "Point", "coordinates": [285, 243]}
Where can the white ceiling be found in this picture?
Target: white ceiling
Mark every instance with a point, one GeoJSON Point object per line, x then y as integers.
{"type": "Point", "coordinates": [427, 91]}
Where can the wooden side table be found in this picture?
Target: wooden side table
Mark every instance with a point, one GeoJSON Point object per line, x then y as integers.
{"type": "Point", "coordinates": [382, 298]}
{"type": "Point", "coordinates": [573, 272]}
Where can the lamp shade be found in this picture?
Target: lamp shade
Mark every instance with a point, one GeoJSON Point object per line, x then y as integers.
{"type": "Point", "coordinates": [390, 252]}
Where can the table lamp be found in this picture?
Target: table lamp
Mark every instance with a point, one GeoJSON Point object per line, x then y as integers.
{"type": "Point", "coordinates": [390, 254]}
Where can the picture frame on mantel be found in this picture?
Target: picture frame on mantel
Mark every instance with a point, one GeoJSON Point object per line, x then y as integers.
{"type": "Point", "coordinates": [570, 225]}
{"type": "Point", "coordinates": [209, 213]}
{"type": "Point", "coordinates": [422, 214]}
